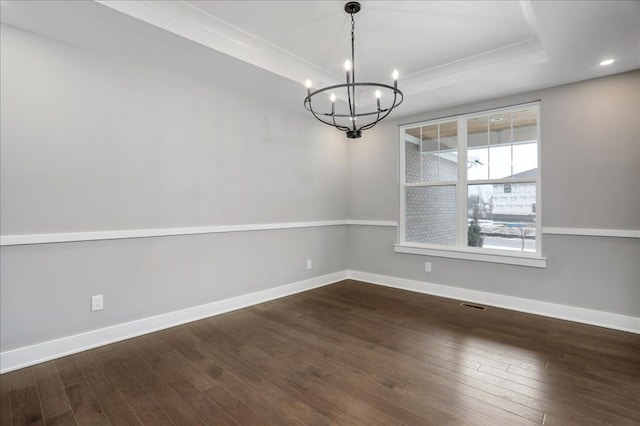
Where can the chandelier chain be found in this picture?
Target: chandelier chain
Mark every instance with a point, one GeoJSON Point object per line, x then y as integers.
{"type": "Point", "coordinates": [353, 72]}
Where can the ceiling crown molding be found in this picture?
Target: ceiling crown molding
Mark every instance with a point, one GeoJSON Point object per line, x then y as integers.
{"type": "Point", "coordinates": [190, 22]}
{"type": "Point", "coordinates": [203, 28]}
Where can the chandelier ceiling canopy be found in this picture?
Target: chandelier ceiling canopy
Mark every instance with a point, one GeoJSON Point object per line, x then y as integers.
{"type": "Point", "coordinates": [349, 115]}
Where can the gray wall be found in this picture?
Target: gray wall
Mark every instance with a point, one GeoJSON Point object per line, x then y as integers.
{"type": "Point", "coordinates": [93, 142]}
{"type": "Point", "coordinates": [590, 173]}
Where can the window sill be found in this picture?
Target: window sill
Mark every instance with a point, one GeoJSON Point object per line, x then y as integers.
{"type": "Point", "coordinates": [530, 260]}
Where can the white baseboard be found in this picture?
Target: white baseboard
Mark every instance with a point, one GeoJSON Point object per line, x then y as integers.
{"type": "Point", "coordinates": [41, 352]}
{"type": "Point", "coordinates": [553, 310]}
{"type": "Point", "coordinates": [29, 355]}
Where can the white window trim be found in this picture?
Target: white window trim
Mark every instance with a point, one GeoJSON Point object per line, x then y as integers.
{"type": "Point", "coordinates": [461, 251]}
{"type": "Point", "coordinates": [468, 253]}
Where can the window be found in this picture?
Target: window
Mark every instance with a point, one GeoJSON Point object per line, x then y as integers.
{"type": "Point", "coordinates": [470, 184]}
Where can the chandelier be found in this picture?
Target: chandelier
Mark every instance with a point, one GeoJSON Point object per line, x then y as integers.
{"type": "Point", "coordinates": [353, 118]}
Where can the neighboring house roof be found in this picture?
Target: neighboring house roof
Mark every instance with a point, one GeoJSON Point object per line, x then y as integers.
{"type": "Point", "coordinates": [527, 174]}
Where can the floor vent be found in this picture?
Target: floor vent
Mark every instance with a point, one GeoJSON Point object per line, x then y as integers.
{"type": "Point", "coordinates": [470, 305]}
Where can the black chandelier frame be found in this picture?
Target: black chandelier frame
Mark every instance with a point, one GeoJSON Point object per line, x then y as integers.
{"type": "Point", "coordinates": [353, 131]}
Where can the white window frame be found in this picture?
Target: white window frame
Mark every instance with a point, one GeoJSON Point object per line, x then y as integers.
{"type": "Point", "coordinates": [460, 250]}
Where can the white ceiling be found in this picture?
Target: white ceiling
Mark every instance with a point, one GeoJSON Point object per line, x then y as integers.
{"type": "Point", "coordinates": [448, 53]}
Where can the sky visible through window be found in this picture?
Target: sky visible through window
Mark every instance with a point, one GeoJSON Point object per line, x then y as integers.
{"type": "Point", "coordinates": [525, 157]}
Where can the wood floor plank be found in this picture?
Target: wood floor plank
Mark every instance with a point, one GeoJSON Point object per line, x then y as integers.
{"type": "Point", "coordinates": [25, 406]}
{"type": "Point", "coordinates": [572, 392]}
{"type": "Point", "coordinates": [70, 373]}
{"type": "Point", "coordinates": [170, 401]}
{"type": "Point", "coordinates": [206, 409]}
{"type": "Point", "coordinates": [62, 419]}
{"type": "Point", "coordinates": [571, 419]}
{"type": "Point", "coordinates": [51, 390]}
{"type": "Point", "coordinates": [84, 405]}
{"type": "Point", "coordinates": [210, 341]}
{"type": "Point", "coordinates": [25, 401]}
{"type": "Point", "coordinates": [628, 369]}
{"type": "Point", "coordinates": [145, 407]}
{"type": "Point", "coordinates": [199, 379]}
{"type": "Point", "coordinates": [113, 403]}
{"type": "Point", "coordinates": [234, 407]}
{"type": "Point", "coordinates": [5, 399]}
{"type": "Point", "coordinates": [253, 398]}
{"type": "Point", "coordinates": [301, 411]}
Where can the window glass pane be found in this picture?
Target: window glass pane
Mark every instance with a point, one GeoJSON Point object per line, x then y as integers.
{"type": "Point", "coordinates": [429, 150]}
{"type": "Point", "coordinates": [500, 161]}
{"type": "Point", "coordinates": [412, 160]}
{"type": "Point", "coordinates": [430, 215]}
{"type": "Point", "coordinates": [525, 124]}
{"type": "Point", "coordinates": [503, 145]}
{"type": "Point", "coordinates": [448, 159]}
{"type": "Point", "coordinates": [525, 142]}
{"type": "Point", "coordinates": [502, 216]}
{"type": "Point", "coordinates": [477, 148]}
{"type": "Point", "coordinates": [431, 153]}
{"type": "Point", "coordinates": [500, 146]}
{"type": "Point", "coordinates": [525, 160]}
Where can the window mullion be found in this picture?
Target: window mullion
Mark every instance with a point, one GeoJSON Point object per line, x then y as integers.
{"type": "Point", "coordinates": [488, 147]}
{"type": "Point", "coordinates": [438, 153]}
{"type": "Point", "coordinates": [461, 189]}
{"type": "Point", "coordinates": [511, 143]}
{"type": "Point", "coordinates": [539, 186]}
{"type": "Point", "coordinates": [500, 181]}
{"type": "Point", "coordinates": [420, 156]}
{"type": "Point", "coordinates": [401, 237]}
{"type": "Point", "coordinates": [430, 184]}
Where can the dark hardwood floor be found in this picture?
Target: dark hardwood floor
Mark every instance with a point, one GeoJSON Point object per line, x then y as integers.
{"type": "Point", "coordinates": [348, 353]}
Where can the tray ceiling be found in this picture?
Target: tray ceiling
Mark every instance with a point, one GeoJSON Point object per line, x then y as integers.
{"type": "Point", "coordinates": [447, 52]}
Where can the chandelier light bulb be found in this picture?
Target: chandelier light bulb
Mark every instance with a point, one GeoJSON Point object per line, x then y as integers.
{"type": "Point", "coordinates": [395, 74]}
{"type": "Point", "coordinates": [333, 97]}
{"type": "Point", "coordinates": [308, 84]}
{"type": "Point", "coordinates": [378, 94]}
{"type": "Point", "coordinates": [347, 65]}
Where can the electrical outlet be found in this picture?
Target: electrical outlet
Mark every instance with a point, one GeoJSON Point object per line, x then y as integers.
{"type": "Point", "coordinates": [427, 266]}
{"type": "Point", "coordinates": [309, 264]}
{"type": "Point", "coordinates": [97, 303]}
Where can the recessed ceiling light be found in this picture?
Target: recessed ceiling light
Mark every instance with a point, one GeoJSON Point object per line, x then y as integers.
{"type": "Point", "coordinates": [607, 62]}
